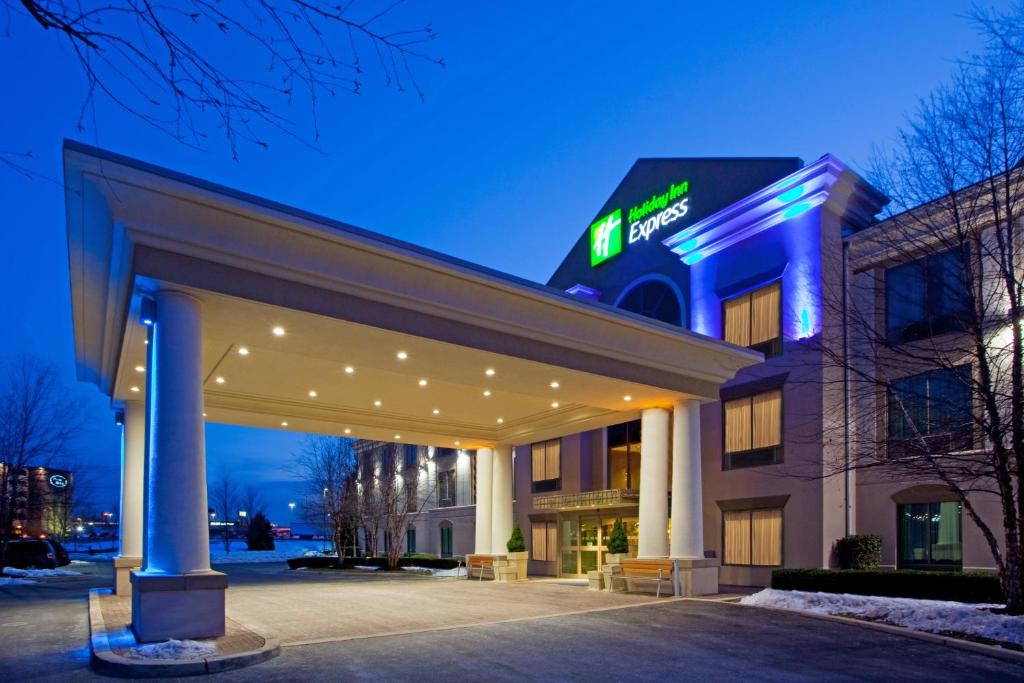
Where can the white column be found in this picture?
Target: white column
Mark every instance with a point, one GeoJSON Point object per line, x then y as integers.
{"type": "Point", "coordinates": [687, 501]}
{"type": "Point", "coordinates": [501, 499]}
{"type": "Point", "coordinates": [133, 453]}
{"type": "Point", "coordinates": [484, 472]}
{"type": "Point", "coordinates": [178, 529]}
{"type": "Point", "coordinates": [654, 426]}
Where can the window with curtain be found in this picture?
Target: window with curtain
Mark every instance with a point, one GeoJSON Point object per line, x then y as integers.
{"type": "Point", "coordinates": [446, 489]}
{"type": "Point", "coordinates": [754, 319]}
{"type": "Point", "coordinates": [930, 535]}
{"type": "Point", "coordinates": [926, 297]}
{"type": "Point", "coordinates": [930, 413]}
{"type": "Point", "coordinates": [752, 537]}
{"type": "Point", "coordinates": [752, 430]}
{"type": "Point", "coordinates": [546, 466]}
{"type": "Point", "coordinates": [624, 455]}
{"type": "Point", "coordinates": [544, 541]}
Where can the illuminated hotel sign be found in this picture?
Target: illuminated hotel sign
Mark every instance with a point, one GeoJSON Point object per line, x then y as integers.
{"type": "Point", "coordinates": [58, 481]}
{"type": "Point", "coordinates": [644, 219]}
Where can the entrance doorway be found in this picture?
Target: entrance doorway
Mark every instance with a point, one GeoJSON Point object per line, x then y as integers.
{"type": "Point", "coordinates": [582, 541]}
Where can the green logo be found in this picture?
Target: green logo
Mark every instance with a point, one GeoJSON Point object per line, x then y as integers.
{"type": "Point", "coordinates": [606, 238]}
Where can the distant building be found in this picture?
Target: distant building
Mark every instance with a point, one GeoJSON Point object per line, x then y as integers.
{"type": "Point", "coordinates": [41, 500]}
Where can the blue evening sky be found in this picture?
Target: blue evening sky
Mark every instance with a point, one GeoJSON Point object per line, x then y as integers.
{"type": "Point", "coordinates": [540, 111]}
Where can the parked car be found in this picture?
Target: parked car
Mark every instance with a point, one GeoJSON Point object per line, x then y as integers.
{"type": "Point", "coordinates": [36, 554]}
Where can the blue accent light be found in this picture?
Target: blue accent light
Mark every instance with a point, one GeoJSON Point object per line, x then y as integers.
{"type": "Point", "coordinates": [791, 194]}
{"type": "Point", "coordinates": [805, 323]}
{"type": "Point", "coordinates": [688, 245]}
{"type": "Point", "coordinates": [796, 210]}
{"type": "Point", "coordinates": [690, 259]}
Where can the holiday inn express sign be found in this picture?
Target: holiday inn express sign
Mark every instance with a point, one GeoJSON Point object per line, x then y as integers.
{"type": "Point", "coordinates": [644, 219]}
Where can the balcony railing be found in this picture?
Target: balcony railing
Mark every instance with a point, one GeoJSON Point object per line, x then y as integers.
{"type": "Point", "coordinates": [589, 499]}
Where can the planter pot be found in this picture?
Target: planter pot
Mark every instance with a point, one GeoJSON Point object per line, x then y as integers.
{"type": "Point", "coordinates": [519, 561]}
{"type": "Point", "coordinates": [615, 558]}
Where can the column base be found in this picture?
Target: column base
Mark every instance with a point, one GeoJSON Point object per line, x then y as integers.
{"type": "Point", "coordinates": [123, 566]}
{"type": "Point", "coordinates": [178, 606]}
{"type": "Point", "coordinates": [697, 576]}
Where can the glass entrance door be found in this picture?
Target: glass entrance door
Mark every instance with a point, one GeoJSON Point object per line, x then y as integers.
{"type": "Point", "coordinates": [582, 545]}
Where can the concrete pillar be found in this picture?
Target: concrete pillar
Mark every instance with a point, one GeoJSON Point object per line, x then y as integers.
{"type": "Point", "coordinates": [654, 445]}
{"type": "Point", "coordinates": [484, 478]}
{"type": "Point", "coordinates": [501, 499]}
{"type": "Point", "coordinates": [133, 453]}
{"type": "Point", "coordinates": [687, 503]}
{"type": "Point", "coordinates": [176, 595]}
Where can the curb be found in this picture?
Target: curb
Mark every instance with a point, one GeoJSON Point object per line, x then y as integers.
{"type": "Point", "coordinates": [935, 638]}
{"type": "Point", "coordinates": [103, 660]}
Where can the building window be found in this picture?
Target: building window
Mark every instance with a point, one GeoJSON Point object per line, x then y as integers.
{"type": "Point", "coordinates": [653, 299]}
{"type": "Point", "coordinates": [546, 466]}
{"type": "Point", "coordinates": [446, 539]}
{"type": "Point", "coordinates": [624, 455]}
{"type": "Point", "coordinates": [752, 537]}
{"type": "Point", "coordinates": [411, 455]}
{"type": "Point", "coordinates": [930, 535]}
{"type": "Point", "coordinates": [410, 540]}
{"type": "Point", "coordinates": [754, 319]}
{"type": "Point", "coordinates": [544, 541]}
{"type": "Point", "coordinates": [926, 297]}
{"type": "Point", "coordinates": [930, 413]}
{"type": "Point", "coordinates": [753, 430]}
{"type": "Point", "coordinates": [446, 490]}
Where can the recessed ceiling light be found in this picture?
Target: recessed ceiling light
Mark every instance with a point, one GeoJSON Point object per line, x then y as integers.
{"type": "Point", "coordinates": [554, 404]}
{"type": "Point", "coordinates": [349, 369]}
{"type": "Point", "coordinates": [312, 394]}
{"type": "Point", "coordinates": [402, 355]}
{"type": "Point", "coordinates": [627, 397]}
{"type": "Point", "coordinates": [284, 424]}
{"type": "Point", "coordinates": [377, 404]}
{"type": "Point", "coordinates": [398, 436]}
{"type": "Point", "coordinates": [278, 331]}
{"type": "Point", "coordinates": [501, 420]}
{"type": "Point", "coordinates": [348, 431]}
{"type": "Point", "coordinates": [220, 380]}
{"type": "Point", "coordinates": [458, 443]}
{"type": "Point", "coordinates": [554, 385]}
{"type": "Point", "coordinates": [136, 389]}
{"type": "Point", "coordinates": [145, 341]}
{"type": "Point", "coordinates": [436, 411]}
{"type": "Point", "coordinates": [204, 414]}
{"type": "Point", "coordinates": [487, 392]}
{"type": "Point", "coordinates": [489, 372]}
{"type": "Point", "coordinates": [243, 351]}
{"type": "Point", "coordinates": [139, 368]}
{"type": "Point", "coordinates": [423, 382]}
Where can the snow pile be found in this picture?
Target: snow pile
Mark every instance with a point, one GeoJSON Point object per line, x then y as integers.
{"type": "Point", "coordinates": [934, 616]}
{"type": "Point", "coordinates": [458, 571]}
{"type": "Point", "coordinates": [172, 649]}
{"type": "Point", "coordinates": [11, 571]}
{"type": "Point", "coordinates": [4, 581]}
{"type": "Point", "coordinates": [366, 567]}
{"type": "Point", "coordinates": [81, 562]}
{"type": "Point", "coordinates": [284, 550]}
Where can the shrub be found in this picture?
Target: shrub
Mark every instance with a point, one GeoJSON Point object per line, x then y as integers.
{"type": "Point", "coordinates": [903, 583]}
{"type": "Point", "coordinates": [617, 540]}
{"type": "Point", "coordinates": [260, 535]}
{"type": "Point", "coordinates": [516, 544]}
{"type": "Point", "coordinates": [861, 551]}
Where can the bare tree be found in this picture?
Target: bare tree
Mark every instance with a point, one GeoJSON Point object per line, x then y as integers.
{"type": "Point", "coordinates": [936, 380]}
{"type": "Point", "coordinates": [327, 465]}
{"type": "Point", "coordinates": [252, 502]}
{"type": "Point", "coordinates": [224, 500]}
{"type": "Point", "coordinates": [188, 67]}
{"type": "Point", "coordinates": [39, 419]}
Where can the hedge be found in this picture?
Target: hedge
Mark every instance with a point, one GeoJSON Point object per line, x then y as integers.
{"type": "Point", "coordinates": [382, 562]}
{"type": "Point", "coordinates": [903, 583]}
{"type": "Point", "coordinates": [859, 551]}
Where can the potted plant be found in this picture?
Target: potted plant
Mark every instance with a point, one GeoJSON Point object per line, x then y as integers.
{"type": "Point", "coordinates": [617, 544]}
{"type": "Point", "coordinates": [517, 555]}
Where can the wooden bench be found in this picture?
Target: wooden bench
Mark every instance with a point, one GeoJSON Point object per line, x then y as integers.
{"type": "Point", "coordinates": [482, 563]}
{"type": "Point", "coordinates": [647, 572]}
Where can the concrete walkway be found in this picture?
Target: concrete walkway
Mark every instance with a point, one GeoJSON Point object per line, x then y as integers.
{"type": "Point", "coordinates": [358, 605]}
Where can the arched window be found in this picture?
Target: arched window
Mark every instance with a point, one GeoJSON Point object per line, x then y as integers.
{"type": "Point", "coordinates": [447, 540]}
{"type": "Point", "coordinates": [654, 299]}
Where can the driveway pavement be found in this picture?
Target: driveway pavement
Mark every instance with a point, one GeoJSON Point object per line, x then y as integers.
{"type": "Point", "coordinates": [43, 637]}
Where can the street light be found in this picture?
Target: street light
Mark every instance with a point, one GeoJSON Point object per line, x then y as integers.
{"type": "Point", "coordinates": [291, 513]}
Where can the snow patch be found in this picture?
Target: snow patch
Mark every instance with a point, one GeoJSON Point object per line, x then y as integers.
{"type": "Point", "coordinates": [5, 581]}
{"type": "Point", "coordinates": [367, 568]}
{"type": "Point", "coordinates": [12, 571]}
{"type": "Point", "coordinates": [933, 616]}
{"type": "Point", "coordinates": [81, 562]}
{"type": "Point", "coordinates": [172, 649]}
{"type": "Point", "coordinates": [457, 571]}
